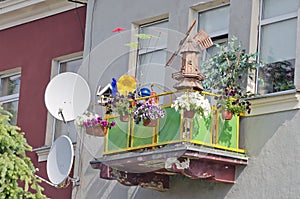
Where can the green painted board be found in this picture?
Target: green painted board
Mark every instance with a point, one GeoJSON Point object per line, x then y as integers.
{"type": "Point", "coordinates": [227, 132]}
{"type": "Point", "coordinates": [117, 136]}
{"type": "Point", "coordinates": [202, 129]}
{"type": "Point", "coordinates": [142, 135]}
{"type": "Point", "coordinates": [169, 126]}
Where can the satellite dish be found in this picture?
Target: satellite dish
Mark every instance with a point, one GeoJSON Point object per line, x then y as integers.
{"type": "Point", "coordinates": [60, 160]}
{"type": "Point", "coordinates": [67, 96]}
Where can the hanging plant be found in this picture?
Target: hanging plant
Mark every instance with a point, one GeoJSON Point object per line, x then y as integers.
{"type": "Point", "coordinates": [94, 124]}
{"type": "Point", "coordinates": [147, 111]}
{"type": "Point", "coordinates": [233, 102]}
{"type": "Point", "coordinates": [122, 105]}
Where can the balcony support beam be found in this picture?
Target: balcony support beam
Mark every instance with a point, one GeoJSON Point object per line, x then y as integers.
{"type": "Point", "coordinates": [151, 169]}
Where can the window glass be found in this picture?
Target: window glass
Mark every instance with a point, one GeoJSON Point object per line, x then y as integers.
{"type": "Point", "coordinates": [12, 107]}
{"type": "Point", "coordinates": [70, 66]}
{"type": "Point", "coordinates": [273, 8]}
{"type": "Point", "coordinates": [278, 41]}
{"type": "Point", "coordinates": [152, 53]}
{"type": "Point", "coordinates": [10, 85]}
{"type": "Point", "coordinates": [214, 20]}
{"type": "Point", "coordinates": [158, 36]}
{"type": "Point", "coordinates": [152, 71]}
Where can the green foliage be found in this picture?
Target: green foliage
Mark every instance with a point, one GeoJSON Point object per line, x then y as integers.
{"type": "Point", "coordinates": [121, 104]}
{"type": "Point", "coordinates": [16, 168]}
{"type": "Point", "coordinates": [229, 67]}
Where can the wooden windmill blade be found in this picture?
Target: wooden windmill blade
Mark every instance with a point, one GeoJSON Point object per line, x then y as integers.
{"type": "Point", "coordinates": [203, 40]}
{"type": "Point", "coordinates": [181, 43]}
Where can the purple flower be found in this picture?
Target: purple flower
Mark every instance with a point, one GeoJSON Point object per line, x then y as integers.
{"type": "Point", "coordinates": [104, 123]}
{"type": "Point", "coordinates": [289, 75]}
{"type": "Point", "coordinates": [112, 124]}
{"type": "Point", "coordinates": [85, 124]}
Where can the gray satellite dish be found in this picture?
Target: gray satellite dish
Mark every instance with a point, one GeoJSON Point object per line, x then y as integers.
{"type": "Point", "coordinates": [67, 96]}
{"type": "Point", "coordinates": [60, 160]}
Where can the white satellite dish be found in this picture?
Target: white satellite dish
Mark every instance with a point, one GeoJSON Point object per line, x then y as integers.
{"type": "Point", "coordinates": [60, 160]}
{"type": "Point", "coordinates": [67, 96]}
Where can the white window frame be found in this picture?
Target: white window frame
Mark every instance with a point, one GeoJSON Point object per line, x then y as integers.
{"type": "Point", "coordinates": [43, 151]}
{"type": "Point", "coordinates": [14, 97]}
{"type": "Point", "coordinates": [203, 7]}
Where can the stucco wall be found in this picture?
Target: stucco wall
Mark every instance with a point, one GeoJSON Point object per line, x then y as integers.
{"type": "Point", "coordinates": [270, 140]}
{"type": "Point", "coordinates": [32, 46]}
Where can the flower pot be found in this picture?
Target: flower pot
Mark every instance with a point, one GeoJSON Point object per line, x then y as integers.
{"type": "Point", "coordinates": [150, 123]}
{"type": "Point", "coordinates": [226, 115]}
{"type": "Point", "coordinates": [124, 118]}
{"type": "Point", "coordinates": [188, 114]}
{"type": "Point", "coordinates": [96, 131]}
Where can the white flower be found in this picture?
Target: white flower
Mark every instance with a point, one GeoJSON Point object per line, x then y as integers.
{"type": "Point", "coordinates": [192, 101]}
{"type": "Point", "coordinates": [83, 118]}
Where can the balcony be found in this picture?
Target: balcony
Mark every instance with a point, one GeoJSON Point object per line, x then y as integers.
{"type": "Point", "coordinates": [197, 148]}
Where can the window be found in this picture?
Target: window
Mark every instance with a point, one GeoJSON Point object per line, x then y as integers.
{"type": "Point", "coordinates": [9, 93]}
{"type": "Point", "coordinates": [71, 65]}
{"type": "Point", "coordinates": [215, 23]}
{"type": "Point", "coordinates": [152, 52]}
{"type": "Point", "coordinates": [277, 45]}
{"type": "Point", "coordinates": [56, 128]}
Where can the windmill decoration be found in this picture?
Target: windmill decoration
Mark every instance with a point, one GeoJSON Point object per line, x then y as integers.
{"type": "Point", "coordinates": [189, 77]}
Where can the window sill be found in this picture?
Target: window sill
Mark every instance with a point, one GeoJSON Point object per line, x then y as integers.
{"type": "Point", "coordinates": [43, 151]}
{"type": "Point", "coordinates": [275, 102]}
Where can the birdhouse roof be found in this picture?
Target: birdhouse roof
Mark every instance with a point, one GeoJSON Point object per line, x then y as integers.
{"type": "Point", "coordinates": [189, 47]}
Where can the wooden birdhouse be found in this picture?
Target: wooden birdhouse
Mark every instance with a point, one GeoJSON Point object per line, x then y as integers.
{"type": "Point", "coordinates": [190, 57]}
{"type": "Point", "coordinates": [189, 76]}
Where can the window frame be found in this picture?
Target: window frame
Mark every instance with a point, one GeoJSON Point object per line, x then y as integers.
{"type": "Point", "coordinates": [42, 152]}
{"type": "Point", "coordinates": [135, 57]}
{"type": "Point", "coordinates": [13, 97]}
{"type": "Point", "coordinates": [269, 21]}
{"type": "Point", "coordinates": [217, 36]}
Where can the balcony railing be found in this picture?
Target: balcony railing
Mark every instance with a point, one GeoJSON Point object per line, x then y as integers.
{"type": "Point", "coordinates": [212, 132]}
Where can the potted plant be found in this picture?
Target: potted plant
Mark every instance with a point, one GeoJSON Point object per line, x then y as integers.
{"type": "Point", "coordinates": [149, 113]}
{"type": "Point", "coordinates": [94, 124]}
{"type": "Point", "coordinates": [233, 102]}
{"type": "Point", "coordinates": [190, 103]}
{"type": "Point", "coordinates": [231, 66]}
{"type": "Point", "coordinates": [122, 105]}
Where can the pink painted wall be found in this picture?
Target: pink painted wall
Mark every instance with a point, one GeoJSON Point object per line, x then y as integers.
{"type": "Point", "coordinates": [32, 46]}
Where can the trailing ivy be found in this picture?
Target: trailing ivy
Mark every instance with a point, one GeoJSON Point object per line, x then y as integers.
{"type": "Point", "coordinates": [17, 172]}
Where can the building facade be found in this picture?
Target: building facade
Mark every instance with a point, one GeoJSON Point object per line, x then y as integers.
{"type": "Point", "coordinates": [41, 40]}
{"type": "Point", "coordinates": [268, 134]}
